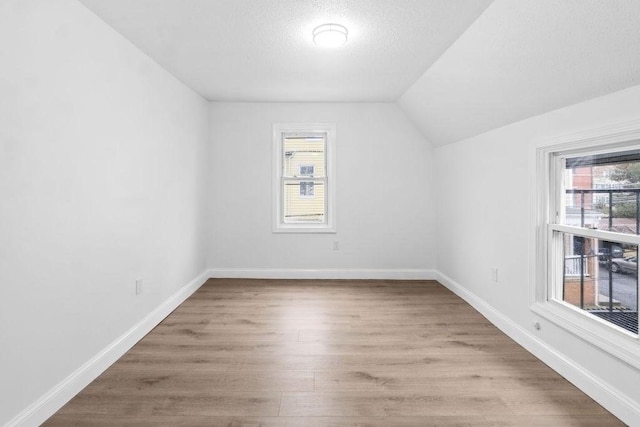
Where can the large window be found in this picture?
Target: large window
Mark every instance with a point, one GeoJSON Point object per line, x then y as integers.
{"type": "Point", "coordinates": [588, 222]}
{"type": "Point", "coordinates": [303, 159]}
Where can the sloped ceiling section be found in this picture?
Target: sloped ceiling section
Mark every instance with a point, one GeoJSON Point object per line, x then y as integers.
{"type": "Point", "coordinates": [522, 58]}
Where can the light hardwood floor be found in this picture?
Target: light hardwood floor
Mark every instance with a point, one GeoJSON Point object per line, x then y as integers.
{"type": "Point", "coordinates": [329, 353]}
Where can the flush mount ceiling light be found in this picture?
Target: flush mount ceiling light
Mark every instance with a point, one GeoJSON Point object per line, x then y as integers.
{"type": "Point", "coordinates": [330, 35]}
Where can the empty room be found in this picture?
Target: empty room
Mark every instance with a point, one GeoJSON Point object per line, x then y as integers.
{"type": "Point", "coordinates": [319, 213]}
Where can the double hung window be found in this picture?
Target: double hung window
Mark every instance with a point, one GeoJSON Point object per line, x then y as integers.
{"type": "Point", "coordinates": [588, 222]}
{"type": "Point", "coordinates": [304, 199]}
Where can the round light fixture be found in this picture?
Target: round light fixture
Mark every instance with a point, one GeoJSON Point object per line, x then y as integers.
{"type": "Point", "coordinates": [330, 35]}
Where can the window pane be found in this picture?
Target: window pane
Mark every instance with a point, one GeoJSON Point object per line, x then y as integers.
{"type": "Point", "coordinates": [603, 192]}
{"type": "Point", "coordinates": [601, 278]}
{"type": "Point", "coordinates": [304, 156]}
{"type": "Point", "coordinates": [303, 202]}
{"type": "Point", "coordinates": [307, 170]}
{"type": "Point", "coordinates": [307, 189]}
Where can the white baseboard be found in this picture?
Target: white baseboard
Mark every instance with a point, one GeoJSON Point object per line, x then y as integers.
{"type": "Point", "coordinates": [599, 390]}
{"type": "Point", "coordinates": [48, 404]}
{"type": "Point", "coordinates": [352, 274]}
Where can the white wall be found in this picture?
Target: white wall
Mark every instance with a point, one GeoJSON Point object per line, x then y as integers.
{"type": "Point", "coordinates": [384, 191]}
{"type": "Point", "coordinates": [484, 220]}
{"type": "Point", "coordinates": [102, 180]}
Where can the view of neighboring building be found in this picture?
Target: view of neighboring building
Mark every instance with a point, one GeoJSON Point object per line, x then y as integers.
{"type": "Point", "coordinates": [304, 178]}
{"type": "Point", "coordinates": [602, 276]}
{"type": "Point", "coordinates": [601, 180]}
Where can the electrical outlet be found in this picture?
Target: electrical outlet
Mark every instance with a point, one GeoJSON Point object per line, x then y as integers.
{"type": "Point", "coordinates": [494, 274]}
{"type": "Point", "coordinates": [336, 245]}
{"type": "Point", "coordinates": [139, 286]}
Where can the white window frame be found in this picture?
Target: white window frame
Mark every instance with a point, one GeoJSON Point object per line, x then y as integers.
{"type": "Point", "coordinates": [546, 272]}
{"type": "Point", "coordinates": [279, 131]}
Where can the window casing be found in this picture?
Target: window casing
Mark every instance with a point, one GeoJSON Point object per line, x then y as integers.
{"type": "Point", "coordinates": [575, 246]}
{"type": "Point", "coordinates": [303, 178]}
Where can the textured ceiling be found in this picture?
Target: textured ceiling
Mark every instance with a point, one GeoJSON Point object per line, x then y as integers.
{"type": "Point", "coordinates": [522, 58]}
{"type": "Point", "coordinates": [456, 67]}
{"type": "Point", "coordinates": [261, 50]}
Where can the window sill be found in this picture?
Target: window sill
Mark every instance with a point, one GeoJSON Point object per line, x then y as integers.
{"type": "Point", "coordinates": [304, 230]}
{"type": "Point", "coordinates": [610, 339]}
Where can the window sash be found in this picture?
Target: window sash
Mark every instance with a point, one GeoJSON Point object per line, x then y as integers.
{"type": "Point", "coordinates": [555, 238]}
{"type": "Point", "coordinates": [303, 135]}
{"type": "Point", "coordinates": [323, 181]}
{"type": "Point", "coordinates": [611, 236]}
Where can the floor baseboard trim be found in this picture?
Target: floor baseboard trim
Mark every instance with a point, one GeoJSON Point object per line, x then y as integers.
{"type": "Point", "coordinates": [52, 401]}
{"type": "Point", "coordinates": [353, 274]}
{"type": "Point", "coordinates": [602, 392]}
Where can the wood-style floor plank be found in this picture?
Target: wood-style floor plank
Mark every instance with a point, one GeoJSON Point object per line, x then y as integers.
{"type": "Point", "coordinates": [202, 381]}
{"type": "Point", "coordinates": [337, 353]}
{"type": "Point", "coordinates": [391, 404]}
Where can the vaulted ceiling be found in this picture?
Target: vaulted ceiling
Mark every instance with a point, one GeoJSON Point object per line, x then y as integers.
{"type": "Point", "coordinates": [456, 67]}
{"type": "Point", "coordinates": [523, 58]}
